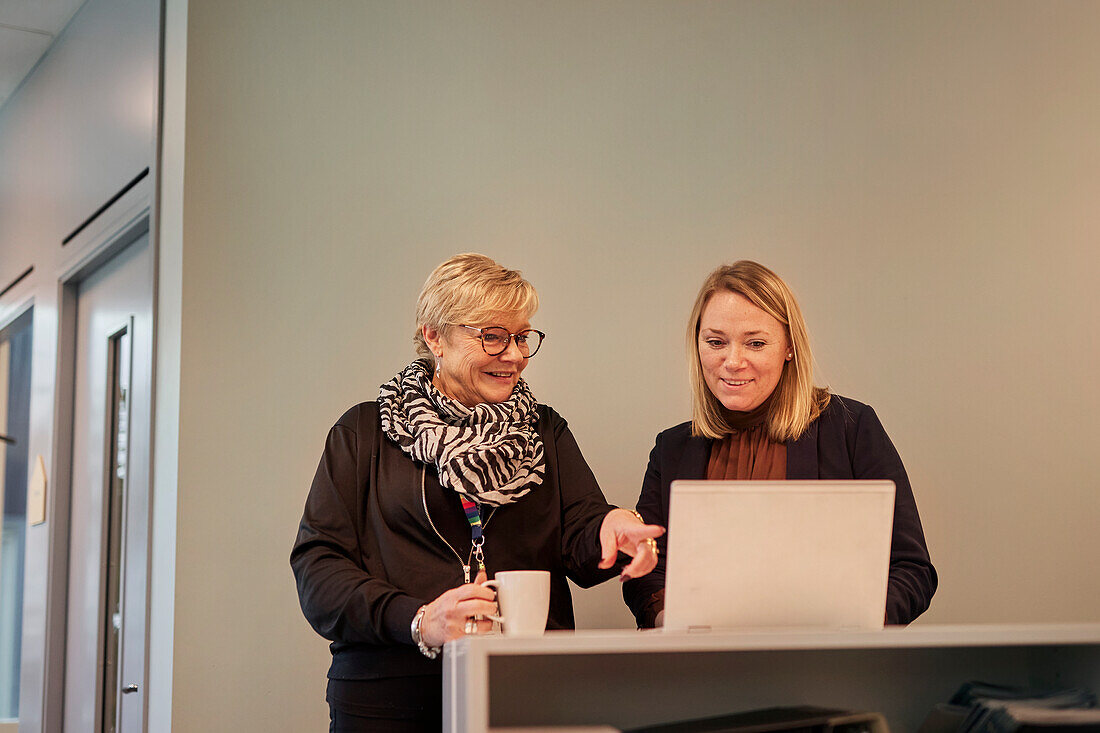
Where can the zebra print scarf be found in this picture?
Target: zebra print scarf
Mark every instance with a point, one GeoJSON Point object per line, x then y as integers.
{"type": "Point", "coordinates": [489, 453]}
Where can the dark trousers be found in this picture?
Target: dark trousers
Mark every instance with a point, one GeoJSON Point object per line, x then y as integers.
{"type": "Point", "coordinates": [387, 705]}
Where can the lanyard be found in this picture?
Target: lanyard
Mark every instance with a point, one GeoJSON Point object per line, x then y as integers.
{"type": "Point", "coordinates": [477, 539]}
{"type": "Point", "coordinates": [473, 516]}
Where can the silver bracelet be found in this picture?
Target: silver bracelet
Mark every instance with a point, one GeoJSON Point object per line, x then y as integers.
{"type": "Point", "coordinates": [431, 652]}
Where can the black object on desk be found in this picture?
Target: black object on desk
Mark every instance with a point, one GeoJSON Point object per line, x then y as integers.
{"type": "Point", "coordinates": [980, 707]}
{"type": "Point", "coordinates": [801, 719]}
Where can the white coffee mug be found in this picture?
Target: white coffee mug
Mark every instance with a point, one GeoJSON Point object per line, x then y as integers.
{"type": "Point", "coordinates": [524, 600]}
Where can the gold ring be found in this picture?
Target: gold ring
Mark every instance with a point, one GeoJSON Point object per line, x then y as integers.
{"type": "Point", "coordinates": [651, 544]}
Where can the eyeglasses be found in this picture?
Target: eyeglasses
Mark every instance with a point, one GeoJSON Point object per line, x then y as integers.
{"type": "Point", "coordinates": [495, 340]}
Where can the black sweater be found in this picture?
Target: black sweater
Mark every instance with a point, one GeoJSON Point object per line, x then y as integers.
{"type": "Point", "coordinates": [847, 441]}
{"type": "Point", "coordinates": [366, 557]}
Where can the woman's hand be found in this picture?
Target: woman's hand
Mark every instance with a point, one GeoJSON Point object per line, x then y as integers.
{"type": "Point", "coordinates": [445, 618]}
{"type": "Point", "coordinates": [623, 531]}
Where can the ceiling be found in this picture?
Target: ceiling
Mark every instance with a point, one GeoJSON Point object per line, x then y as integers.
{"type": "Point", "coordinates": [27, 28]}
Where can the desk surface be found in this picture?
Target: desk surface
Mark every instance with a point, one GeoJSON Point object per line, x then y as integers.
{"type": "Point", "coordinates": [625, 641]}
{"type": "Point", "coordinates": [627, 678]}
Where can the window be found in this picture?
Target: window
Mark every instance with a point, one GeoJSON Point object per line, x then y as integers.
{"type": "Point", "coordinates": [15, 392]}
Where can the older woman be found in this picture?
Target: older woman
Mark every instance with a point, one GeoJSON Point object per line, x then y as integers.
{"type": "Point", "coordinates": [756, 415]}
{"type": "Point", "coordinates": [453, 474]}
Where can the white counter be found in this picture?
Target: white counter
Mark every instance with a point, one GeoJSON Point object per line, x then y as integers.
{"type": "Point", "coordinates": [630, 678]}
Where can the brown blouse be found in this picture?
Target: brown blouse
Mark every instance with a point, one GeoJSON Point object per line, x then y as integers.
{"type": "Point", "coordinates": [747, 455]}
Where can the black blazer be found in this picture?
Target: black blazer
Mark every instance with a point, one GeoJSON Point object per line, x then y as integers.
{"type": "Point", "coordinates": [846, 442]}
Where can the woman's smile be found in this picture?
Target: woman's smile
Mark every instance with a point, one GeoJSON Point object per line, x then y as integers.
{"type": "Point", "coordinates": [470, 375]}
{"type": "Point", "coordinates": [742, 351]}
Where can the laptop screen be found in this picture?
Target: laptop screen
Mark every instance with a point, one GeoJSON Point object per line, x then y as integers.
{"type": "Point", "coordinates": [778, 554]}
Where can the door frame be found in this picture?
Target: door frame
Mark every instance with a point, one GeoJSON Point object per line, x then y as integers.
{"type": "Point", "coordinates": [121, 231]}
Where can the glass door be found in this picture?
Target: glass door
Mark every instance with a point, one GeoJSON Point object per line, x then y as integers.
{"type": "Point", "coordinates": [15, 393]}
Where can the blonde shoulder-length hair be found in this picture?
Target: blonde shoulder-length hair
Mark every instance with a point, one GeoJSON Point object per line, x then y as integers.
{"type": "Point", "coordinates": [796, 402]}
{"type": "Point", "coordinates": [467, 289]}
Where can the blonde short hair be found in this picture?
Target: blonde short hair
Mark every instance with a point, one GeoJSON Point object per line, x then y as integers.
{"type": "Point", "coordinates": [796, 402]}
{"type": "Point", "coordinates": [467, 289]}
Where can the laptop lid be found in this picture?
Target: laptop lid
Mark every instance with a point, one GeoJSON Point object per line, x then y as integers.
{"type": "Point", "coordinates": [778, 554]}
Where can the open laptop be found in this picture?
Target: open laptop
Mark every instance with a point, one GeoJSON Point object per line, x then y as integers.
{"type": "Point", "coordinates": [778, 554]}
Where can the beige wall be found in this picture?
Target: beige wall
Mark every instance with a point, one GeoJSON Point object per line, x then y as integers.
{"type": "Point", "coordinates": [924, 173]}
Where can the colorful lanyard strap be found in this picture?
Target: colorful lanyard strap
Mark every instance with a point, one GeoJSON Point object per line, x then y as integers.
{"type": "Point", "coordinates": [473, 516]}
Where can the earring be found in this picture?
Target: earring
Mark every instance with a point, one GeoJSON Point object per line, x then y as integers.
{"type": "Point", "coordinates": [438, 363]}
{"type": "Point", "coordinates": [790, 355]}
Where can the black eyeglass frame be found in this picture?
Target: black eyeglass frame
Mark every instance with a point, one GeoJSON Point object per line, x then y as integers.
{"type": "Point", "coordinates": [507, 340]}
